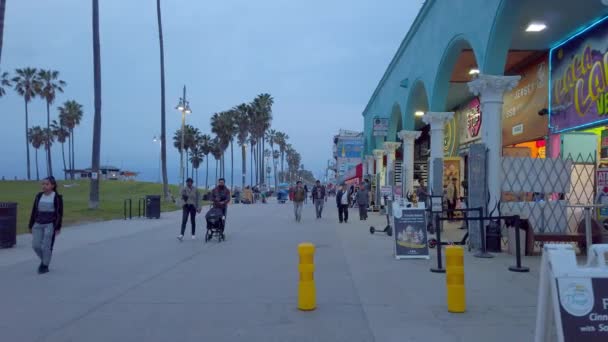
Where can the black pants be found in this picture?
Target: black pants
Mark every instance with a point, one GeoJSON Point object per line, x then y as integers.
{"type": "Point", "coordinates": [188, 210]}
{"type": "Point", "coordinates": [362, 211]}
{"type": "Point", "coordinates": [451, 207]}
{"type": "Point", "coordinates": [343, 212]}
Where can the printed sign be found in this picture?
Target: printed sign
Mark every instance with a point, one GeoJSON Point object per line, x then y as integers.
{"type": "Point", "coordinates": [579, 94]}
{"type": "Point", "coordinates": [520, 119]}
{"type": "Point", "coordinates": [469, 122]}
{"type": "Point", "coordinates": [386, 190]}
{"type": "Point", "coordinates": [583, 308]}
{"type": "Point", "coordinates": [380, 127]}
{"type": "Point", "coordinates": [604, 144]}
{"type": "Point", "coordinates": [410, 234]}
{"type": "Point", "coordinates": [601, 183]}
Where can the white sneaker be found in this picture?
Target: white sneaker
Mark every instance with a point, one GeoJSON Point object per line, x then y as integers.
{"type": "Point", "coordinates": [180, 237]}
{"type": "Point", "coordinates": [193, 237]}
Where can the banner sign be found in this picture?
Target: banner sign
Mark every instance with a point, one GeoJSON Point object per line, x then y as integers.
{"type": "Point", "coordinates": [601, 183]}
{"type": "Point", "coordinates": [520, 119]}
{"type": "Point", "coordinates": [386, 190]}
{"type": "Point", "coordinates": [380, 128]}
{"type": "Point", "coordinates": [604, 144]}
{"type": "Point", "coordinates": [410, 234]}
{"type": "Point", "coordinates": [469, 122]}
{"type": "Point", "coordinates": [583, 308]}
{"type": "Point", "coordinates": [579, 90]}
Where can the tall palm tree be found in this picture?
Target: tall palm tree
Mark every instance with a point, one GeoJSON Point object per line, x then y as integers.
{"type": "Point", "coordinates": [94, 189]}
{"type": "Point", "coordinates": [70, 115]}
{"type": "Point", "coordinates": [281, 140]}
{"type": "Point", "coordinates": [26, 85]}
{"type": "Point", "coordinates": [2, 10]}
{"type": "Point", "coordinates": [231, 131]}
{"type": "Point", "coordinates": [4, 81]}
{"type": "Point", "coordinates": [196, 158]}
{"type": "Point", "coordinates": [163, 125]}
{"type": "Point", "coordinates": [271, 137]}
{"type": "Point", "coordinates": [217, 153]}
{"type": "Point", "coordinates": [50, 85]}
{"type": "Point", "coordinates": [242, 124]}
{"type": "Point", "coordinates": [35, 137]}
{"type": "Point", "coordinates": [262, 118]}
{"type": "Point", "coordinates": [254, 169]}
{"type": "Point", "coordinates": [61, 133]}
{"type": "Point", "coordinates": [222, 126]}
{"type": "Point", "coordinates": [205, 146]}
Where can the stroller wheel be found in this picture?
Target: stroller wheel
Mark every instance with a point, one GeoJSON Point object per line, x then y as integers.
{"type": "Point", "coordinates": [372, 230]}
{"type": "Point", "coordinates": [389, 230]}
{"type": "Point", "coordinates": [432, 243]}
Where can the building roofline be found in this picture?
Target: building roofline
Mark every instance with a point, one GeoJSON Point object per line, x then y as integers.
{"type": "Point", "coordinates": [426, 6]}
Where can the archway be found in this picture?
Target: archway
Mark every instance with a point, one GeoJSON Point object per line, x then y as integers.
{"type": "Point", "coordinates": [395, 123]}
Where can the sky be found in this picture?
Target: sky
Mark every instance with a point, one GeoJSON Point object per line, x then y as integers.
{"type": "Point", "coordinates": [320, 60]}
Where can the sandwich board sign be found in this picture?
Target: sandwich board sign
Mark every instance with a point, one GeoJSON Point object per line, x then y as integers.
{"type": "Point", "coordinates": [572, 300]}
{"type": "Point", "coordinates": [411, 240]}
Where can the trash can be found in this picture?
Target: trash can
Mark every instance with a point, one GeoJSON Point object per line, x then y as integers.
{"type": "Point", "coordinates": [8, 224]}
{"type": "Point", "coordinates": [153, 206]}
{"type": "Point", "coordinates": [493, 243]}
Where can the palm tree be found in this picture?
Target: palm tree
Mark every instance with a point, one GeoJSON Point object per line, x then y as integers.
{"type": "Point", "coordinates": [163, 126]}
{"type": "Point", "coordinates": [204, 144]}
{"type": "Point", "coordinates": [35, 137]}
{"type": "Point", "coordinates": [262, 118]}
{"type": "Point", "coordinates": [253, 143]}
{"type": "Point", "coordinates": [50, 84]}
{"type": "Point", "coordinates": [4, 81]}
{"type": "Point", "coordinates": [271, 136]}
{"type": "Point", "coordinates": [62, 134]}
{"type": "Point", "coordinates": [216, 151]}
{"type": "Point", "coordinates": [196, 158]}
{"type": "Point", "coordinates": [26, 84]}
{"type": "Point", "coordinates": [190, 140]}
{"type": "Point", "coordinates": [94, 189]}
{"type": "Point", "coordinates": [231, 131]}
{"type": "Point", "coordinates": [2, 10]}
{"type": "Point", "coordinates": [222, 125]}
{"type": "Point", "coordinates": [70, 115]}
{"type": "Point", "coordinates": [242, 124]}
{"type": "Point", "coordinates": [281, 140]}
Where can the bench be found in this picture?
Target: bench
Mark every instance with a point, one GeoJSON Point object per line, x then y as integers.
{"type": "Point", "coordinates": [578, 237]}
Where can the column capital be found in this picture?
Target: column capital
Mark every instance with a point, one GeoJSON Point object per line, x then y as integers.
{"type": "Point", "coordinates": [409, 136]}
{"type": "Point", "coordinates": [378, 154]}
{"type": "Point", "coordinates": [491, 88]}
{"type": "Point", "coordinates": [369, 158]}
{"type": "Point", "coordinates": [391, 146]}
{"type": "Point", "coordinates": [437, 120]}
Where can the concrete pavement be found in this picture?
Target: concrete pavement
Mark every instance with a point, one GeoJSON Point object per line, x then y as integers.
{"type": "Point", "coordinates": [133, 281]}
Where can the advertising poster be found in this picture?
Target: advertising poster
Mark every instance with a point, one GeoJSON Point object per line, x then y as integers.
{"type": "Point", "coordinates": [604, 144]}
{"type": "Point", "coordinates": [520, 119]}
{"type": "Point", "coordinates": [579, 94]}
{"type": "Point", "coordinates": [380, 127]}
{"type": "Point", "coordinates": [601, 183]}
{"type": "Point", "coordinates": [583, 308]}
{"type": "Point", "coordinates": [450, 138]}
{"type": "Point", "coordinates": [410, 234]}
{"type": "Point", "coordinates": [469, 122]}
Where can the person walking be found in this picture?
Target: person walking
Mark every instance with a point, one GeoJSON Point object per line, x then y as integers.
{"type": "Point", "coordinates": [362, 200]}
{"type": "Point", "coordinates": [452, 198]}
{"type": "Point", "coordinates": [306, 194]}
{"type": "Point", "coordinates": [318, 198]}
{"type": "Point", "coordinates": [220, 196]}
{"type": "Point", "coordinates": [422, 192]}
{"type": "Point", "coordinates": [191, 198]}
{"type": "Point", "coordinates": [299, 195]}
{"type": "Point", "coordinates": [45, 222]}
{"type": "Point", "coordinates": [343, 201]}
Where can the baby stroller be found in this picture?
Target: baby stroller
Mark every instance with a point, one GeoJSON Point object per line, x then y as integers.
{"type": "Point", "coordinates": [216, 222]}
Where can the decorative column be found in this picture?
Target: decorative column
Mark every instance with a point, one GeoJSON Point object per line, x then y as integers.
{"type": "Point", "coordinates": [389, 148]}
{"type": "Point", "coordinates": [408, 138]}
{"type": "Point", "coordinates": [491, 90]}
{"type": "Point", "coordinates": [369, 161]}
{"type": "Point", "coordinates": [437, 120]}
{"type": "Point", "coordinates": [379, 156]}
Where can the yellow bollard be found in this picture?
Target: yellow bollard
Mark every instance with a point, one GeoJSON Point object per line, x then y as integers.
{"type": "Point", "coordinates": [307, 294]}
{"type": "Point", "coordinates": [454, 280]}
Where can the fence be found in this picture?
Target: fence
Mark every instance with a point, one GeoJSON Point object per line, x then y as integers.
{"type": "Point", "coordinates": [541, 190]}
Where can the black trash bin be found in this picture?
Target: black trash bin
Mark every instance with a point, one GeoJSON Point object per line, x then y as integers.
{"type": "Point", "coordinates": [8, 224]}
{"type": "Point", "coordinates": [153, 206]}
{"type": "Point", "coordinates": [493, 241]}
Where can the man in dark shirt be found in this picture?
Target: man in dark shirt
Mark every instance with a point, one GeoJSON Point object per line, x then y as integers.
{"type": "Point", "coordinates": [318, 198]}
{"type": "Point", "coordinates": [220, 196]}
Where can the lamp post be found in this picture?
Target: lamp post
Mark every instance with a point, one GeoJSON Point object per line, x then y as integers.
{"type": "Point", "coordinates": [184, 107]}
{"type": "Point", "coordinates": [158, 141]}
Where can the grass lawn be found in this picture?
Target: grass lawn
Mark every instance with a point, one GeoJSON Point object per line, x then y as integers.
{"type": "Point", "coordinates": [76, 199]}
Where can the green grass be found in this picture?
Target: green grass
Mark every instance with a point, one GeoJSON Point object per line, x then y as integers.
{"type": "Point", "coordinates": [76, 199]}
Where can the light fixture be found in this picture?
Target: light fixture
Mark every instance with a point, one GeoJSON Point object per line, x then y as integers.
{"type": "Point", "coordinates": [419, 113]}
{"type": "Point", "coordinates": [536, 27]}
{"type": "Point", "coordinates": [474, 72]}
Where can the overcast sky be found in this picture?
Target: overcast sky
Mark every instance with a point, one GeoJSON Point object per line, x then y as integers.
{"type": "Point", "coordinates": [320, 60]}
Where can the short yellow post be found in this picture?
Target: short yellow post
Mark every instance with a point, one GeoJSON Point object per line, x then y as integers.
{"type": "Point", "coordinates": [307, 294]}
{"type": "Point", "coordinates": [454, 280]}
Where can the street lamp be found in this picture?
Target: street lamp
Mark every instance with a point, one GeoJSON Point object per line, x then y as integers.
{"type": "Point", "coordinates": [158, 141]}
{"type": "Point", "coordinates": [184, 107]}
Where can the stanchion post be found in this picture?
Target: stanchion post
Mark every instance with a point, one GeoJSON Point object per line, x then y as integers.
{"type": "Point", "coordinates": [454, 280]}
{"type": "Point", "coordinates": [307, 294]}
{"type": "Point", "coordinates": [483, 253]}
{"type": "Point", "coordinates": [124, 207]}
{"type": "Point", "coordinates": [130, 209]}
{"type": "Point", "coordinates": [518, 267]}
{"type": "Point", "coordinates": [439, 268]}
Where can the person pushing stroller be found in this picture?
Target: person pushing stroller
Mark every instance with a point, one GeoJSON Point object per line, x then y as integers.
{"type": "Point", "coordinates": [216, 216]}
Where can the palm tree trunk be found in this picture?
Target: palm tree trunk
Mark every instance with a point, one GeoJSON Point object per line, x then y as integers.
{"type": "Point", "coordinates": [27, 144]}
{"type": "Point", "coordinates": [48, 145]}
{"type": "Point", "coordinates": [274, 166]}
{"type": "Point", "coordinates": [72, 158]}
{"type": "Point", "coordinates": [207, 173]}
{"type": "Point", "coordinates": [2, 10]}
{"type": "Point", "coordinates": [282, 169]}
{"type": "Point", "coordinates": [65, 174]}
{"type": "Point", "coordinates": [251, 164]}
{"type": "Point", "coordinates": [231, 166]}
{"type": "Point", "coordinates": [163, 127]}
{"type": "Point", "coordinates": [94, 190]}
{"type": "Point", "coordinates": [216, 165]}
{"type": "Point", "coordinates": [37, 172]}
{"type": "Point", "coordinates": [257, 165]}
{"type": "Point", "coordinates": [243, 164]}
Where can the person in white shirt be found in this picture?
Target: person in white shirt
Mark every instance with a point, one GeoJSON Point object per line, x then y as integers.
{"type": "Point", "coordinates": [343, 202]}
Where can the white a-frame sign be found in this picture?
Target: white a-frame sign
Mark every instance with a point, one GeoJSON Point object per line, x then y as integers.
{"type": "Point", "coordinates": [572, 300]}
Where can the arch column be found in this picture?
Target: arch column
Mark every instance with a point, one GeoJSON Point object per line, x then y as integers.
{"type": "Point", "coordinates": [491, 90]}
{"type": "Point", "coordinates": [408, 138]}
{"type": "Point", "coordinates": [369, 161]}
{"type": "Point", "coordinates": [379, 156]}
{"type": "Point", "coordinates": [437, 120]}
{"type": "Point", "coordinates": [390, 147]}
